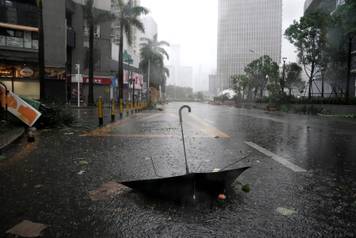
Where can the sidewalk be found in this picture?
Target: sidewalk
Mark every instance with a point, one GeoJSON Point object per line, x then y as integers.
{"type": "Point", "coordinates": [9, 133]}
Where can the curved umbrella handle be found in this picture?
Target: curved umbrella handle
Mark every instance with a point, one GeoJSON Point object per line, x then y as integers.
{"type": "Point", "coordinates": [181, 126]}
{"type": "Point", "coordinates": [180, 112]}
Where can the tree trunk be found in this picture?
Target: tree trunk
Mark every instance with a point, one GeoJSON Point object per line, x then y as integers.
{"type": "Point", "coordinates": [322, 83]}
{"type": "Point", "coordinates": [120, 74]}
{"type": "Point", "coordinates": [91, 61]}
{"type": "Point", "coordinates": [41, 54]}
{"type": "Point", "coordinates": [349, 56]}
{"type": "Point", "coordinates": [311, 80]}
{"type": "Point", "coordinates": [290, 91]}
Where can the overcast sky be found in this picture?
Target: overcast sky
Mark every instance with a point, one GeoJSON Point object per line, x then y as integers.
{"type": "Point", "coordinates": [193, 25]}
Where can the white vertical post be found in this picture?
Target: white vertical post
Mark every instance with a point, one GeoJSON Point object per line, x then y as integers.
{"type": "Point", "coordinates": [78, 83]}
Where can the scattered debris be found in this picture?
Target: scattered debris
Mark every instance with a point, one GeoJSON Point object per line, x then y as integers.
{"type": "Point", "coordinates": [246, 188]}
{"type": "Point", "coordinates": [107, 190]}
{"type": "Point", "coordinates": [222, 197]}
{"type": "Point", "coordinates": [83, 162]}
{"type": "Point", "coordinates": [69, 133]}
{"type": "Point", "coordinates": [217, 137]}
{"type": "Point", "coordinates": [27, 229]}
{"type": "Point", "coordinates": [38, 186]}
{"type": "Point", "coordinates": [81, 172]}
{"type": "Point", "coordinates": [30, 135]}
{"type": "Point", "coordinates": [3, 157]}
{"type": "Point", "coordinates": [286, 211]}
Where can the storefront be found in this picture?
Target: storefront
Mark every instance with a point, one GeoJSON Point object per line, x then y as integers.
{"type": "Point", "coordinates": [21, 79]}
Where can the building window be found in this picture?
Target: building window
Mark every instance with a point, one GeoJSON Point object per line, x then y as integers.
{"type": "Point", "coordinates": [35, 40]}
{"type": "Point", "coordinates": [18, 38]}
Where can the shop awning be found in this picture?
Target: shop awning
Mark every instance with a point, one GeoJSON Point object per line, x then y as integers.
{"type": "Point", "coordinates": [18, 27]}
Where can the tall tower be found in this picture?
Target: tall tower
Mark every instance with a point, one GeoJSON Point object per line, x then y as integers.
{"type": "Point", "coordinates": [246, 31]}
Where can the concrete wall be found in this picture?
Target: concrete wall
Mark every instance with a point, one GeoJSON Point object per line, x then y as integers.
{"type": "Point", "coordinates": [102, 44]}
{"type": "Point", "coordinates": [55, 33]}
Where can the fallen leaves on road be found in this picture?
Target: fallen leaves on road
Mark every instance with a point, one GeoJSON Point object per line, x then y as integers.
{"type": "Point", "coordinates": [286, 211]}
{"type": "Point", "coordinates": [2, 157]}
{"type": "Point", "coordinates": [27, 229]}
{"type": "Point", "coordinates": [107, 190]}
{"type": "Point", "coordinates": [83, 162]}
{"type": "Point", "coordinates": [81, 172]}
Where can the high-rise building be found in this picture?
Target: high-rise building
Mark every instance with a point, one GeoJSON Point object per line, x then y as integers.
{"type": "Point", "coordinates": [150, 26]}
{"type": "Point", "coordinates": [246, 31]}
{"type": "Point", "coordinates": [134, 49]}
{"type": "Point", "coordinates": [179, 75]}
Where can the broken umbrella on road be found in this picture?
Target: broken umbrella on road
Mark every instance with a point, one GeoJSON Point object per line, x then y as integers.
{"type": "Point", "coordinates": [191, 186]}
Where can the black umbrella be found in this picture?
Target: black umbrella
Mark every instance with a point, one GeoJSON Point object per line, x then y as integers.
{"type": "Point", "coordinates": [191, 186]}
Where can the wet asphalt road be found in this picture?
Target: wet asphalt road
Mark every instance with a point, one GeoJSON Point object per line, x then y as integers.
{"type": "Point", "coordinates": [40, 181]}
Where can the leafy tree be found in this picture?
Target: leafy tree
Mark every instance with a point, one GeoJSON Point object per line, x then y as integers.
{"type": "Point", "coordinates": [240, 84]}
{"type": "Point", "coordinates": [309, 37]}
{"type": "Point", "coordinates": [260, 71]}
{"type": "Point", "coordinates": [293, 77]}
{"type": "Point", "coordinates": [199, 96]}
{"type": "Point", "coordinates": [152, 61]}
{"type": "Point", "coordinates": [128, 18]}
{"type": "Point", "coordinates": [92, 18]}
{"type": "Point", "coordinates": [179, 93]}
{"type": "Point", "coordinates": [340, 42]}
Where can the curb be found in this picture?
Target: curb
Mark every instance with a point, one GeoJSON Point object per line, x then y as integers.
{"type": "Point", "coordinates": [12, 139]}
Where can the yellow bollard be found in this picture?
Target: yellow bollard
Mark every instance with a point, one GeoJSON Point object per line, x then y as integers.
{"type": "Point", "coordinates": [100, 111]}
{"type": "Point", "coordinates": [128, 107]}
{"type": "Point", "coordinates": [121, 107]}
{"type": "Point", "coordinates": [112, 110]}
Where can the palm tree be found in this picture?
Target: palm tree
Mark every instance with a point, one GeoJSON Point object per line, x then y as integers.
{"type": "Point", "coordinates": [41, 51]}
{"type": "Point", "coordinates": [128, 18]}
{"type": "Point", "coordinates": [152, 61]}
{"type": "Point", "coordinates": [93, 18]}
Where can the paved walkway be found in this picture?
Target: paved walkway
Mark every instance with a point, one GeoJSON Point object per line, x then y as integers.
{"type": "Point", "coordinates": [9, 133]}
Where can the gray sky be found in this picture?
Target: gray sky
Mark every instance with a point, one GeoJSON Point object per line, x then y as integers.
{"type": "Point", "coordinates": [193, 25]}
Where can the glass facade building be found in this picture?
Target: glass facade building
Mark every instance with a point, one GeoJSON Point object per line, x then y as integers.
{"type": "Point", "coordinates": [246, 31]}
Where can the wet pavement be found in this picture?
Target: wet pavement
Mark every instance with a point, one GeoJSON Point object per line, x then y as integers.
{"type": "Point", "coordinates": [50, 181]}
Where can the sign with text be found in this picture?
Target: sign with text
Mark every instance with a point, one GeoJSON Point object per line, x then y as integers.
{"type": "Point", "coordinates": [19, 108]}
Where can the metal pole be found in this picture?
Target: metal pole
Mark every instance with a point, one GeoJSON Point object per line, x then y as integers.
{"type": "Point", "coordinates": [133, 94]}
{"type": "Point", "coordinates": [148, 81]}
{"type": "Point", "coordinates": [6, 93]}
{"type": "Point", "coordinates": [181, 126]}
{"type": "Point", "coordinates": [78, 84]}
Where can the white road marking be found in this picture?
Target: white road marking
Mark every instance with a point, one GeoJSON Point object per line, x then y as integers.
{"type": "Point", "coordinates": [209, 121]}
{"type": "Point", "coordinates": [276, 158]}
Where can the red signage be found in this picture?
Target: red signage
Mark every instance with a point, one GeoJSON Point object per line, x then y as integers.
{"type": "Point", "coordinates": [101, 80]}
